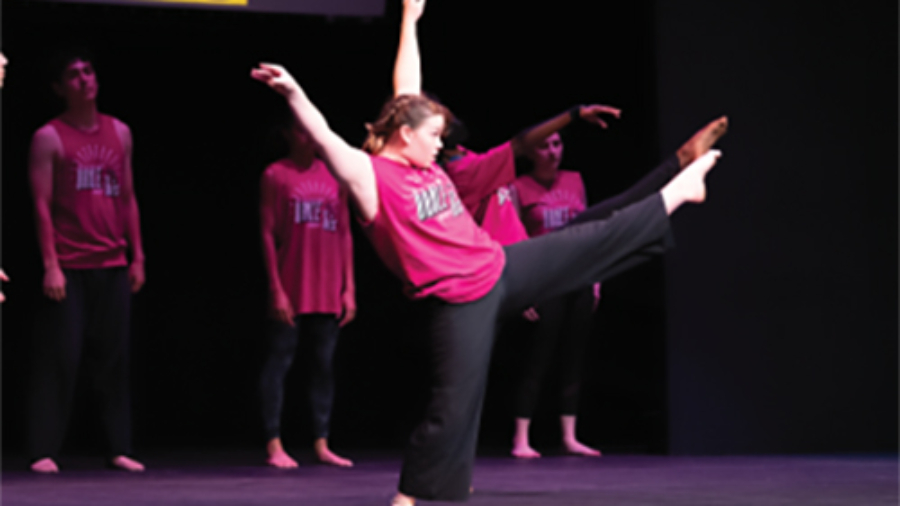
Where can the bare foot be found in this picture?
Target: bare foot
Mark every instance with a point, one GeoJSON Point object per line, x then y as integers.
{"type": "Point", "coordinates": [45, 465]}
{"type": "Point", "coordinates": [524, 451]}
{"type": "Point", "coordinates": [127, 464]}
{"type": "Point", "coordinates": [326, 456]}
{"type": "Point", "coordinates": [689, 185]}
{"type": "Point", "coordinates": [281, 460]}
{"type": "Point", "coordinates": [702, 141]}
{"type": "Point", "coordinates": [402, 500]}
{"type": "Point", "coordinates": [277, 456]}
{"type": "Point", "coordinates": [576, 448]}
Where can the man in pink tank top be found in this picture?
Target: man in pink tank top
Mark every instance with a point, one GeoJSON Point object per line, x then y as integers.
{"type": "Point", "coordinates": [89, 237]}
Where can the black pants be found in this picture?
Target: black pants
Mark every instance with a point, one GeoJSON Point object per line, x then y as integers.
{"type": "Point", "coordinates": [564, 327]}
{"type": "Point", "coordinates": [92, 321]}
{"type": "Point", "coordinates": [320, 331]}
{"type": "Point", "coordinates": [441, 453]}
{"type": "Point", "coordinates": [560, 335]}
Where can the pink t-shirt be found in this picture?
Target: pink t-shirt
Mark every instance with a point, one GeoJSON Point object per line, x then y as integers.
{"type": "Point", "coordinates": [483, 182]}
{"type": "Point", "coordinates": [424, 235]}
{"type": "Point", "coordinates": [88, 212]}
{"type": "Point", "coordinates": [545, 209]}
{"type": "Point", "coordinates": [312, 231]}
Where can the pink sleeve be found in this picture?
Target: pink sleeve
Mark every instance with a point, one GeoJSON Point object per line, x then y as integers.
{"type": "Point", "coordinates": [479, 175]}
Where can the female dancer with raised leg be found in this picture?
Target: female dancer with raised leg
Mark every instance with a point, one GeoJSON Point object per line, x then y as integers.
{"type": "Point", "coordinates": [483, 181]}
{"type": "Point", "coordinates": [418, 226]}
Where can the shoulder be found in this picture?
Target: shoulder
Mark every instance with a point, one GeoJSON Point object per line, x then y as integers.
{"type": "Point", "coordinates": [122, 129]}
{"type": "Point", "coordinates": [46, 137]}
{"type": "Point", "coordinates": [274, 171]}
{"type": "Point", "coordinates": [571, 176]}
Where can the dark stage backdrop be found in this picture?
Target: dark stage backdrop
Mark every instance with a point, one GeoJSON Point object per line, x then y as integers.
{"type": "Point", "coordinates": [180, 79]}
{"type": "Point", "coordinates": [782, 295]}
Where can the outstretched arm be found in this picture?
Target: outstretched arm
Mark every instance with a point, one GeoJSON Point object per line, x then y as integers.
{"type": "Point", "coordinates": [350, 166]}
{"type": "Point", "coordinates": [44, 146]}
{"type": "Point", "coordinates": [536, 133]}
{"type": "Point", "coordinates": [408, 67]}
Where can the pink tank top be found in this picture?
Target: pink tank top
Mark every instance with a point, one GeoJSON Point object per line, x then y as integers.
{"type": "Point", "coordinates": [543, 209]}
{"type": "Point", "coordinates": [424, 235]}
{"type": "Point", "coordinates": [483, 181]}
{"type": "Point", "coordinates": [89, 216]}
{"type": "Point", "coordinates": [311, 232]}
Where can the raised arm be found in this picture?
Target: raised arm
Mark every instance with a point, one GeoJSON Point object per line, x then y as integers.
{"type": "Point", "coordinates": [536, 133]}
{"type": "Point", "coordinates": [351, 167]}
{"type": "Point", "coordinates": [408, 67]}
{"type": "Point", "coordinates": [133, 220]}
{"type": "Point", "coordinates": [44, 146]}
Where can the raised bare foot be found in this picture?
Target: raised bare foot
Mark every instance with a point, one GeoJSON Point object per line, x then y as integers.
{"type": "Point", "coordinates": [402, 500]}
{"type": "Point", "coordinates": [45, 465]}
{"type": "Point", "coordinates": [702, 141]}
{"type": "Point", "coordinates": [690, 185]}
{"type": "Point", "coordinates": [127, 464]}
{"type": "Point", "coordinates": [281, 460]}
{"type": "Point", "coordinates": [576, 448]}
{"type": "Point", "coordinates": [524, 451]}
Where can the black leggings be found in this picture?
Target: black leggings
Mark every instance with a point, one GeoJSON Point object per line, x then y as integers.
{"type": "Point", "coordinates": [564, 324]}
{"type": "Point", "coordinates": [560, 335]}
{"type": "Point", "coordinates": [92, 321]}
{"type": "Point", "coordinates": [441, 453]}
{"type": "Point", "coordinates": [321, 333]}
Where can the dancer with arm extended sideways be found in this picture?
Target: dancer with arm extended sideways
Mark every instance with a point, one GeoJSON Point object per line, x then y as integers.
{"type": "Point", "coordinates": [418, 226]}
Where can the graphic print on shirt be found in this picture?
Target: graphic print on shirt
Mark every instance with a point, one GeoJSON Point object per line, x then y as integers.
{"type": "Point", "coordinates": [561, 206]}
{"type": "Point", "coordinates": [504, 195]}
{"type": "Point", "coordinates": [436, 198]}
{"type": "Point", "coordinates": [315, 204]}
{"type": "Point", "coordinates": [96, 170]}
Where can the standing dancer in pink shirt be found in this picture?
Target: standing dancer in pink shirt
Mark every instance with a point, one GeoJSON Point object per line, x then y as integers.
{"type": "Point", "coordinates": [548, 199]}
{"type": "Point", "coordinates": [87, 224]}
{"type": "Point", "coordinates": [308, 253]}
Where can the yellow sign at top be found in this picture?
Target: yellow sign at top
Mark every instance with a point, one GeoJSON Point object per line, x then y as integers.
{"type": "Point", "coordinates": [201, 2]}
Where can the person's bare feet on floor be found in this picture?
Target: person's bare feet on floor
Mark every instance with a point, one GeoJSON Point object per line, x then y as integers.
{"type": "Point", "coordinates": [45, 466]}
{"type": "Point", "coordinates": [278, 457]}
{"type": "Point", "coordinates": [127, 464]}
{"type": "Point", "coordinates": [326, 456]}
{"type": "Point", "coordinates": [575, 447]}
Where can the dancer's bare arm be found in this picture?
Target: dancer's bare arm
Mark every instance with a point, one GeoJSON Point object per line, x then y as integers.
{"type": "Point", "coordinates": [535, 134]}
{"type": "Point", "coordinates": [408, 66]}
{"type": "Point", "coordinates": [136, 276]}
{"type": "Point", "coordinates": [350, 166]}
{"type": "Point", "coordinates": [44, 148]}
{"type": "Point", "coordinates": [280, 307]}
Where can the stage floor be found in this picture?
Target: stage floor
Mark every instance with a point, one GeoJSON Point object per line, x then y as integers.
{"type": "Point", "coordinates": [231, 478]}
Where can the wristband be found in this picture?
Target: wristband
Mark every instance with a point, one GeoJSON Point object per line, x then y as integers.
{"type": "Point", "coordinates": [575, 112]}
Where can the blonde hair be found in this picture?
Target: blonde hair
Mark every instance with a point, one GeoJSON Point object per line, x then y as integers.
{"type": "Point", "coordinates": [410, 110]}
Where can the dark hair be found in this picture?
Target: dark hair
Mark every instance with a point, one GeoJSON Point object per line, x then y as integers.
{"type": "Point", "coordinates": [410, 110]}
{"type": "Point", "coordinates": [63, 58]}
